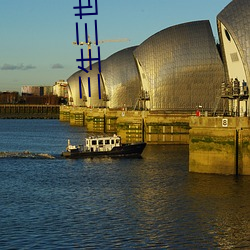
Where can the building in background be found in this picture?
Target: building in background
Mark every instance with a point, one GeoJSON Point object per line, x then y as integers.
{"type": "Point", "coordinates": [30, 90]}
{"type": "Point", "coordinates": [9, 97]}
{"type": "Point", "coordinates": [38, 95]}
{"type": "Point", "coordinates": [37, 90]}
{"type": "Point", "coordinates": [60, 89]}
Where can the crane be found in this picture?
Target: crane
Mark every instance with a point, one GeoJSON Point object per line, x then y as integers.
{"type": "Point", "coordinates": [89, 43]}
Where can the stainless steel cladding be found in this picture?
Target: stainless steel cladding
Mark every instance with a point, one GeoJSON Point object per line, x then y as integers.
{"type": "Point", "coordinates": [85, 93]}
{"type": "Point", "coordinates": [180, 67]}
{"type": "Point", "coordinates": [121, 79]}
{"type": "Point", "coordinates": [234, 25]}
{"type": "Point", "coordinates": [74, 90]}
{"type": "Point", "coordinates": [94, 92]}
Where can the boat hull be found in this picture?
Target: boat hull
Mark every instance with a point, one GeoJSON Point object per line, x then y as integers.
{"type": "Point", "coordinates": [126, 150]}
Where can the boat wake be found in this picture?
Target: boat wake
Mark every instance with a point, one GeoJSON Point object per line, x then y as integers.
{"type": "Point", "coordinates": [26, 154]}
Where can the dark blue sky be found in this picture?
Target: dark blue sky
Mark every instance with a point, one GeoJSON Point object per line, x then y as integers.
{"type": "Point", "coordinates": [36, 35]}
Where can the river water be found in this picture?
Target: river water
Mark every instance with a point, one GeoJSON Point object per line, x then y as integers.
{"type": "Point", "coordinates": [150, 203]}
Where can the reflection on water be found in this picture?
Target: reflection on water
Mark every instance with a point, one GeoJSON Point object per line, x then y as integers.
{"type": "Point", "coordinates": [107, 203]}
{"type": "Point", "coordinates": [224, 201]}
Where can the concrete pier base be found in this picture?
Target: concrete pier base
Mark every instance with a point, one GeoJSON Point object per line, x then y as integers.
{"type": "Point", "coordinates": [94, 120]}
{"type": "Point", "coordinates": [64, 114]}
{"type": "Point", "coordinates": [132, 126]}
{"type": "Point", "coordinates": [167, 129]}
{"type": "Point", "coordinates": [219, 145]}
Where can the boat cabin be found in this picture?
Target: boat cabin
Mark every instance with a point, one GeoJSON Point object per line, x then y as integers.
{"type": "Point", "coordinates": [105, 143]}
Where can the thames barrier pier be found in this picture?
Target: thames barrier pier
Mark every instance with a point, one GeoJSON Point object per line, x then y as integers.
{"type": "Point", "coordinates": [154, 91]}
{"type": "Point", "coordinates": [132, 126]}
{"type": "Point", "coordinates": [219, 145]}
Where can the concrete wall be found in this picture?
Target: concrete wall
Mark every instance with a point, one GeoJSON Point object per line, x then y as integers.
{"type": "Point", "coordinates": [244, 152]}
{"type": "Point", "coordinates": [167, 129]}
{"type": "Point", "coordinates": [132, 126]}
{"type": "Point", "coordinates": [94, 120]}
{"type": "Point", "coordinates": [219, 145]}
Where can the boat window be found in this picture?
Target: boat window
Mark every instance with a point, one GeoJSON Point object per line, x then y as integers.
{"type": "Point", "coordinates": [94, 142]}
{"type": "Point", "coordinates": [100, 142]}
{"type": "Point", "coordinates": [117, 141]}
{"type": "Point", "coordinates": [112, 142]}
{"type": "Point", "coordinates": [107, 142]}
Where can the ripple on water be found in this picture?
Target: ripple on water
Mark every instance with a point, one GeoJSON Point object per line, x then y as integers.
{"type": "Point", "coordinates": [145, 203]}
{"type": "Point", "coordinates": [26, 154]}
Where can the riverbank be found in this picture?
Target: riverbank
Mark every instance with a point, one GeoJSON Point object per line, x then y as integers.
{"type": "Point", "coordinates": [24, 111]}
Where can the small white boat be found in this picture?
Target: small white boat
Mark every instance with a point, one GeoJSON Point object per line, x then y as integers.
{"type": "Point", "coordinates": [103, 146]}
